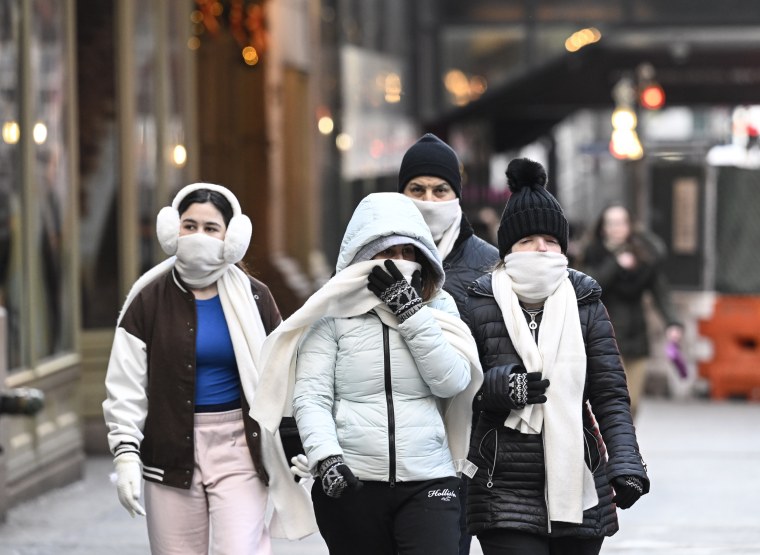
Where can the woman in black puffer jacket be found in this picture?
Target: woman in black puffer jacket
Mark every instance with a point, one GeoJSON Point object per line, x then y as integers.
{"type": "Point", "coordinates": [555, 447]}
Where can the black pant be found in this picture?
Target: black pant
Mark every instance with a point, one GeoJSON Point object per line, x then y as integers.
{"type": "Point", "coordinates": [511, 542]}
{"type": "Point", "coordinates": [411, 518]}
{"type": "Point", "coordinates": [465, 539]}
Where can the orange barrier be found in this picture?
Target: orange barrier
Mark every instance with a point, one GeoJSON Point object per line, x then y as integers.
{"type": "Point", "coordinates": [734, 329]}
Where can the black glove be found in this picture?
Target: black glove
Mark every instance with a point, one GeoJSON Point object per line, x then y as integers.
{"type": "Point", "coordinates": [336, 476]}
{"type": "Point", "coordinates": [628, 489]}
{"type": "Point", "coordinates": [527, 389]}
{"type": "Point", "coordinates": [393, 289]}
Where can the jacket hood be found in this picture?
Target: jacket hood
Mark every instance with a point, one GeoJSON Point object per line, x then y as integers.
{"type": "Point", "coordinates": [382, 215]}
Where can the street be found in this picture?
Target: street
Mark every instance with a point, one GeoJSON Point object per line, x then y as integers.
{"type": "Point", "coordinates": [703, 459]}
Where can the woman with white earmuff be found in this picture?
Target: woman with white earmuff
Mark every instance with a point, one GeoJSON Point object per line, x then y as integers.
{"type": "Point", "coordinates": [182, 374]}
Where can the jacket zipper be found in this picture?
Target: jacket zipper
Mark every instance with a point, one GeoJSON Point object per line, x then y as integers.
{"type": "Point", "coordinates": [546, 488]}
{"type": "Point", "coordinates": [389, 403]}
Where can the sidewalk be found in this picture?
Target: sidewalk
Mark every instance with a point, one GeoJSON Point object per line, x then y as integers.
{"type": "Point", "coordinates": [703, 458]}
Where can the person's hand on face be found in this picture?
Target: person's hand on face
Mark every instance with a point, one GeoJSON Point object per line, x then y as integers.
{"type": "Point", "coordinates": [391, 287]}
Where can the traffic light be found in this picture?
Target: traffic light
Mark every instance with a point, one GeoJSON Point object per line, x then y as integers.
{"type": "Point", "coordinates": [652, 96]}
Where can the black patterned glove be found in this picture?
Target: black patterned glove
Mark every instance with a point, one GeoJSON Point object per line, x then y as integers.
{"type": "Point", "coordinates": [336, 476]}
{"type": "Point", "coordinates": [628, 489]}
{"type": "Point", "coordinates": [393, 289]}
{"type": "Point", "coordinates": [527, 388]}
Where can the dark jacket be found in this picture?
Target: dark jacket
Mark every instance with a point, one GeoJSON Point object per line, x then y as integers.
{"type": "Point", "coordinates": [623, 290]}
{"type": "Point", "coordinates": [470, 258]}
{"type": "Point", "coordinates": [516, 500]}
{"type": "Point", "coordinates": [158, 330]}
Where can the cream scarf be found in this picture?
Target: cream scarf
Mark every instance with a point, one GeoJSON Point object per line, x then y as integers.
{"type": "Point", "coordinates": [290, 507]}
{"type": "Point", "coordinates": [561, 357]}
{"type": "Point", "coordinates": [444, 220]}
{"type": "Point", "coordinates": [346, 295]}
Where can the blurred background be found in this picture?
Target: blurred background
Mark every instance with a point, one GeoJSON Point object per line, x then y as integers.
{"type": "Point", "coordinates": [303, 107]}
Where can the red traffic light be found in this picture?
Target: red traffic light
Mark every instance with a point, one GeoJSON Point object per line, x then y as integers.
{"type": "Point", "coordinates": [652, 97]}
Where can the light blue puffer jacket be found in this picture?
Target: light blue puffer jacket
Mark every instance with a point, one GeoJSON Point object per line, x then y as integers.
{"type": "Point", "coordinates": [386, 425]}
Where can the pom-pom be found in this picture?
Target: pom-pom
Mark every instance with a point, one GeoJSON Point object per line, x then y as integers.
{"type": "Point", "coordinates": [523, 172]}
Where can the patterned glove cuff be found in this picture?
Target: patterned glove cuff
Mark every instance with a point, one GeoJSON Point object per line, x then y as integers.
{"type": "Point", "coordinates": [333, 482]}
{"type": "Point", "coordinates": [325, 465]}
{"type": "Point", "coordinates": [518, 389]}
{"type": "Point", "coordinates": [409, 312]}
{"type": "Point", "coordinates": [634, 483]}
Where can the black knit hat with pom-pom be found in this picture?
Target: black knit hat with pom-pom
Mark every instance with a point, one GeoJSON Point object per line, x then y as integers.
{"type": "Point", "coordinates": [531, 210]}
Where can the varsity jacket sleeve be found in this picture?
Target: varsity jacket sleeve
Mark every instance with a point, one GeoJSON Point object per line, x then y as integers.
{"type": "Point", "coordinates": [445, 371]}
{"type": "Point", "coordinates": [126, 404]}
{"type": "Point", "coordinates": [314, 392]}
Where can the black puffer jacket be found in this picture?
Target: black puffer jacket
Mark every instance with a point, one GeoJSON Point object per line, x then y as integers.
{"type": "Point", "coordinates": [516, 499]}
{"type": "Point", "coordinates": [470, 258]}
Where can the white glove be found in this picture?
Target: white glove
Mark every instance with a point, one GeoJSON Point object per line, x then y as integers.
{"type": "Point", "coordinates": [300, 467]}
{"type": "Point", "coordinates": [129, 482]}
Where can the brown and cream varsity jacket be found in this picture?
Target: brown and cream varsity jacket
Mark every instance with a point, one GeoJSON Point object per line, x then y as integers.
{"type": "Point", "coordinates": [150, 381]}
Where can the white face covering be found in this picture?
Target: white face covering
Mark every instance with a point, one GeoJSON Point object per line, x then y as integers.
{"type": "Point", "coordinates": [200, 259]}
{"type": "Point", "coordinates": [535, 275]}
{"type": "Point", "coordinates": [439, 216]}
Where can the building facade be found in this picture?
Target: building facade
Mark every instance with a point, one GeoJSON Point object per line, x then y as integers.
{"type": "Point", "coordinates": [107, 109]}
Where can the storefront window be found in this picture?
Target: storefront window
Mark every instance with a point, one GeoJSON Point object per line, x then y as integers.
{"type": "Point", "coordinates": [49, 177]}
{"type": "Point", "coordinates": [160, 147]}
{"type": "Point", "coordinates": [145, 127]}
{"type": "Point", "coordinates": [98, 164]}
{"type": "Point", "coordinates": [10, 178]}
{"type": "Point", "coordinates": [178, 109]}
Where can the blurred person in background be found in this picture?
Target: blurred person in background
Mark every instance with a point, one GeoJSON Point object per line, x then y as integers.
{"type": "Point", "coordinates": [382, 373]}
{"type": "Point", "coordinates": [430, 175]}
{"type": "Point", "coordinates": [628, 265]}
{"type": "Point", "coordinates": [554, 445]}
{"type": "Point", "coordinates": [182, 372]}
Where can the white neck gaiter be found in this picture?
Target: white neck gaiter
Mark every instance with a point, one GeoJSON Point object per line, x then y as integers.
{"type": "Point", "coordinates": [200, 259]}
{"type": "Point", "coordinates": [439, 216]}
{"type": "Point", "coordinates": [535, 275]}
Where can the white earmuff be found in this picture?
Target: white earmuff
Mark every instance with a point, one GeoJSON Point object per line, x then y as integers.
{"type": "Point", "coordinates": [167, 229]}
{"type": "Point", "coordinates": [237, 237]}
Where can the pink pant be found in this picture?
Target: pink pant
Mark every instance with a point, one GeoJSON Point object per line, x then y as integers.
{"type": "Point", "coordinates": [225, 497]}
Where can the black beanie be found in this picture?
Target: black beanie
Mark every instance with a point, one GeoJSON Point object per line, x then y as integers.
{"type": "Point", "coordinates": [430, 156]}
{"type": "Point", "coordinates": [531, 210]}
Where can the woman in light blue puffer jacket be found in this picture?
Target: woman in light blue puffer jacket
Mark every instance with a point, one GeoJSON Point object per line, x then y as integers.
{"type": "Point", "coordinates": [371, 392]}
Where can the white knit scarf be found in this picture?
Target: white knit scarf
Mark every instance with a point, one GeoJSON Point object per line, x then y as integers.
{"type": "Point", "coordinates": [291, 510]}
{"type": "Point", "coordinates": [561, 357]}
{"type": "Point", "coordinates": [344, 296]}
{"type": "Point", "coordinates": [444, 219]}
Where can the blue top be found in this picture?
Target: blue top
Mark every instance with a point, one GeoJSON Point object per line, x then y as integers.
{"type": "Point", "coordinates": [217, 381]}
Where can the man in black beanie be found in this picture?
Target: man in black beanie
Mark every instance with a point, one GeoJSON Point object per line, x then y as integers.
{"type": "Point", "coordinates": [431, 177]}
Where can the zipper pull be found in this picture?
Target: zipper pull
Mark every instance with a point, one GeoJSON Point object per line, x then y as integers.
{"type": "Point", "coordinates": [532, 324]}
